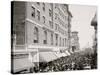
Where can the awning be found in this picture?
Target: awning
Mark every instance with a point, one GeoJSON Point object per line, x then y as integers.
{"type": "Point", "coordinates": [58, 55]}
{"type": "Point", "coordinates": [64, 54]}
{"type": "Point", "coordinates": [47, 56]}
{"type": "Point", "coordinates": [21, 64]}
{"type": "Point", "coordinates": [67, 53]}
{"type": "Point", "coordinates": [61, 55]}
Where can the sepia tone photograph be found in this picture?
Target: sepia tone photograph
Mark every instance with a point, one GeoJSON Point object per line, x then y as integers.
{"type": "Point", "coordinates": [53, 37]}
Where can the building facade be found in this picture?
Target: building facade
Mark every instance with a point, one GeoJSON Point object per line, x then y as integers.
{"type": "Point", "coordinates": [94, 24]}
{"type": "Point", "coordinates": [74, 41]}
{"type": "Point", "coordinates": [39, 28]}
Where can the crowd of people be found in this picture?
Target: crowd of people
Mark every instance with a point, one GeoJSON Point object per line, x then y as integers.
{"type": "Point", "coordinates": [76, 61]}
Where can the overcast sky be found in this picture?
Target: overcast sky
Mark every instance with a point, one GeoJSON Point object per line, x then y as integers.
{"type": "Point", "coordinates": [81, 22]}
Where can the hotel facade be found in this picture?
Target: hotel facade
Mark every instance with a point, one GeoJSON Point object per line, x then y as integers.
{"type": "Point", "coordinates": [40, 33]}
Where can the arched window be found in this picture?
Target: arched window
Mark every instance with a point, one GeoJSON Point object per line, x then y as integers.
{"type": "Point", "coordinates": [43, 6]}
{"type": "Point", "coordinates": [36, 35]}
{"type": "Point", "coordinates": [45, 37]}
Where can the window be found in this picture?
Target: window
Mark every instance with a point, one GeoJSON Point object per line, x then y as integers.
{"type": "Point", "coordinates": [43, 19]}
{"type": "Point", "coordinates": [36, 35]}
{"type": "Point", "coordinates": [51, 39]}
{"type": "Point", "coordinates": [60, 42]}
{"type": "Point", "coordinates": [50, 13]}
{"type": "Point", "coordinates": [56, 35]}
{"type": "Point", "coordinates": [38, 15]}
{"type": "Point", "coordinates": [56, 26]}
{"type": "Point", "coordinates": [43, 6]}
{"type": "Point", "coordinates": [51, 24]}
{"type": "Point", "coordinates": [45, 37]}
{"type": "Point", "coordinates": [38, 3]}
{"type": "Point", "coordinates": [63, 42]}
{"type": "Point", "coordinates": [56, 15]}
{"type": "Point", "coordinates": [33, 12]}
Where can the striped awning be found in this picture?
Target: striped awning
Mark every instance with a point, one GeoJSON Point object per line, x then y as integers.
{"type": "Point", "coordinates": [64, 54]}
{"type": "Point", "coordinates": [61, 54]}
{"type": "Point", "coordinates": [47, 56]}
{"type": "Point", "coordinates": [67, 53]}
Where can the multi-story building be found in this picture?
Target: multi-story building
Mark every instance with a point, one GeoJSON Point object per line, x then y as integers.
{"type": "Point", "coordinates": [94, 23]}
{"type": "Point", "coordinates": [74, 41]}
{"type": "Point", "coordinates": [40, 31]}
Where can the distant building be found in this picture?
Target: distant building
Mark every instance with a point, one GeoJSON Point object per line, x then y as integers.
{"type": "Point", "coordinates": [94, 23]}
{"type": "Point", "coordinates": [40, 30]}
{"type": "Point", "coordinates": [74, 41]}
